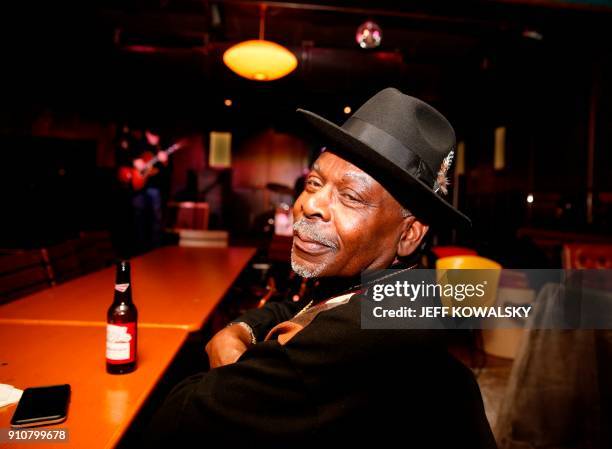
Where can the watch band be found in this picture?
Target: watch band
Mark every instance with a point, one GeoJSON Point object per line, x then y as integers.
{"type": "Point", "coordinates": [247, 327]}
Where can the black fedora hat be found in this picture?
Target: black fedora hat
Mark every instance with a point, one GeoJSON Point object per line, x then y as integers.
{"type": "Point", "coordinates": [403, 143]}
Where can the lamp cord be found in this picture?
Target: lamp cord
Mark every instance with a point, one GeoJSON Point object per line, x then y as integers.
{"type": "Point", "coordinates": [262, 22]}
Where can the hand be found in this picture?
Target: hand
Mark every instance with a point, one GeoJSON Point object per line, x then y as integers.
{"type": "Point", "coordinates": [139, 164]}
{"type": "Point", "coordinates": [227, 345]}
{"type": "Point", "coordinates": [162, 157]}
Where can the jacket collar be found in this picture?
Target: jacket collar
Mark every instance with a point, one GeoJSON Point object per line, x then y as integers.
{"type": "Point", "coordinates": [327, 287]}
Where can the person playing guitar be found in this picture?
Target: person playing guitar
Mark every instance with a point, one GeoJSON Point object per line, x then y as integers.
{"type": "Point", "coordinates": [141, 164]}
{"type": "Point", "coordinates": [146, 164]}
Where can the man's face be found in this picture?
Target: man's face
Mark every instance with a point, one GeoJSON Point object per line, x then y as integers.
{"type": "Point", "coordinates": [345, 221]}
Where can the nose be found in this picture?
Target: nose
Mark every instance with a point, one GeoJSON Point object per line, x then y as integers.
{"type": "Point", "coordinates": [314, 205]}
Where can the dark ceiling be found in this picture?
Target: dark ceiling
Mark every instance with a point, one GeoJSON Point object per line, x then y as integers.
{"type": "Point", "coordinates": [162, 58]}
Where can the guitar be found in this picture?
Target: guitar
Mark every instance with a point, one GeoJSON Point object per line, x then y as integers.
{"type": "Point", "coordinates": [136, 178]}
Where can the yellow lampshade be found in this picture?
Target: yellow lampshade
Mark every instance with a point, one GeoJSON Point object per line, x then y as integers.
{"type": "Point", "coordinates": [469, 269]}
{"type": "Point", "coordinates": [260, 60]}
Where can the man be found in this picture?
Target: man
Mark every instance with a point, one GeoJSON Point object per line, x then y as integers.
{"type": "Point", "coordinates": [142, 207]}
{"type": "Point", "coordinates": [283, 378]}
{"type": "Point", "coordinates": [147, 203]}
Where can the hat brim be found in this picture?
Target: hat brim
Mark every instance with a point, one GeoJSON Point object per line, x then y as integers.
{"type": "Point", "coordinates": [408, 190]}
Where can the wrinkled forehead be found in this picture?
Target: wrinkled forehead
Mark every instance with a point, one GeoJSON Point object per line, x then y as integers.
{"type": "Point", "coordinates": [335, 167]}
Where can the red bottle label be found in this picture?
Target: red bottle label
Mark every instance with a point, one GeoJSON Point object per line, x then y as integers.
{"type": "Point", "coordinates": [120, 343]}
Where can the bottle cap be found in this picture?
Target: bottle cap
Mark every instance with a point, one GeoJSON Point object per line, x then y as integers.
{"type": "Point", "coordinates": [123, 265]}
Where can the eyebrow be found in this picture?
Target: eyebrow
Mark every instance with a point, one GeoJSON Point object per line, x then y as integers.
{"type": "Point", "coordinates": [361, 177]}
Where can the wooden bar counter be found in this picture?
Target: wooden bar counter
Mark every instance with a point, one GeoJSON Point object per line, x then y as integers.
{"type": "Point", "coordinates": [173, 287]}
{"type": "Point", "coordinates": [102, 405]}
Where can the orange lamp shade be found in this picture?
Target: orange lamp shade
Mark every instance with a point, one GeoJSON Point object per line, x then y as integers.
{"type": "Point", "coordinates": [260, 60]}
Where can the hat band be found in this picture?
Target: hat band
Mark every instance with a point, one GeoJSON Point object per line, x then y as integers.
{"type": "Point", "coordinates": [389, 147]}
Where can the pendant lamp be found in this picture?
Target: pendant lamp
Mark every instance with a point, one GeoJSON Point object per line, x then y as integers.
{"type": "Point", "coordinates": [259, 59]}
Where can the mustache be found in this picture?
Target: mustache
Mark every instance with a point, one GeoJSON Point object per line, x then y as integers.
{"type": "Point", "coordinates": [308, 230]}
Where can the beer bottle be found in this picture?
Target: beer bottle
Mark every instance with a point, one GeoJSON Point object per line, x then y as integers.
{"type": "Point", "coordinates": [121, 327]}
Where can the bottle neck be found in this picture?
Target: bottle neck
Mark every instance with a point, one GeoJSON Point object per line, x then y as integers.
{"type": "Point", "coordinates": [123, 284]}
{"type": "Point", "coordinates": [122, 277]}
{"type": "Point", "coordinates": [125, 296]}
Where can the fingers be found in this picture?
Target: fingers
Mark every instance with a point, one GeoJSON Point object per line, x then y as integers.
{"type": "Point", "coordinates": [225, 348]}
{"type": "Point", "coordinates": [139, 164]}
{"type": "Point", "coordinates": [226, 357]}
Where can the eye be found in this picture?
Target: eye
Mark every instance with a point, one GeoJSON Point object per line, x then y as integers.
{"type": "Point", "coordinates": [351, 196]}
{"type": "Point", "coordinates": [313, 182]}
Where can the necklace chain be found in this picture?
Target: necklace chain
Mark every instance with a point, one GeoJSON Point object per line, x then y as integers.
{"type": "Point", "coordinates": [367, 284]}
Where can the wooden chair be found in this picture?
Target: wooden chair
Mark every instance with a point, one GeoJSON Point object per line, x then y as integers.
{"type": "Point", "coordinates": [449, 251]}
{"type": "Point", "coordinates": [498, 342]}
{"type": "Point", "coordinates": [188, 215]}
{"type": "Point", "coordinates": [587, 256]}
{"type": "Point", "coordinates": [94, 250]}
{"type": "Point", "coordinates": [64, 261]}
{"type": "Point", "coordinates": [203, 239]}
{"type": "Point", "coordinates": [23, 272]}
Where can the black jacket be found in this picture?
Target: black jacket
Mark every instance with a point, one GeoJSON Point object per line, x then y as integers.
{"type": "Point", "coordinates": [331, 382]}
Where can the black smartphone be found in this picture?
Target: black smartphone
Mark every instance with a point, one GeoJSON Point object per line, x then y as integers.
{"type": "Point", "coordinates": [41, 406]}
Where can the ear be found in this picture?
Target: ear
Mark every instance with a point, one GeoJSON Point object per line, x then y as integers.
{"type": "Point", "coordinates": [413, 232]}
